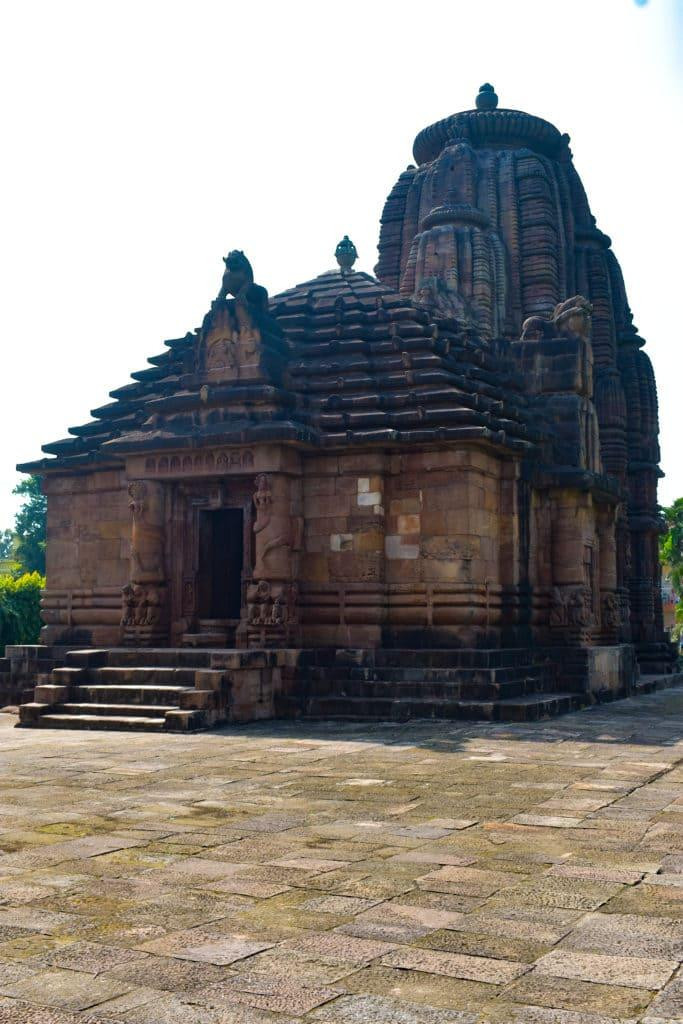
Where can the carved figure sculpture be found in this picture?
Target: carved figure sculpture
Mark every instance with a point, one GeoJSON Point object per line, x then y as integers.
{"type": "Point", "coordinates": [576, 609]}
{"type": "Point", "coordinates": [128, 617]}
{"type": "Point", "coordinates": [232, 329]}
{"type": "Point", "coordinates": [277, 532]}
{"type": "Point", "coordinates": [570, 606]}
{"type": "Point", "coordinates": [143, 605]}
{"type": "Point", "coordinates": [271, 605]}
{"type": "Point", "coordinates": [611, 611]}
{"type": "Point", "coordinates": [238, 280]}
{"type": "Point", "coordinates": [558, 609]}
{"type": "Point", "coordinates": [147, 535]}
{"type": "Point", "coordinates": [571, 319]}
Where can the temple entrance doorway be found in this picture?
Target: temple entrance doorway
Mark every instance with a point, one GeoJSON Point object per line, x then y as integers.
{"type": "Point", "coordinates": [221, 554]}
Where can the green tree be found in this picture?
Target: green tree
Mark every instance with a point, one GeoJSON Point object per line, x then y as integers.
{"type": "Point", "coordinates": [671, 544]}
{"type": "Point", "coordinates": [6, 543]}
{"type": "Point", "coordinates": [30, 526]}
{"type": "Point", "coordinates": [671, 556]}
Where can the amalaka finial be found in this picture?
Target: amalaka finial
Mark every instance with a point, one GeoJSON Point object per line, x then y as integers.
{"type": "Point", "coordinates": [487, 99]}
{"type": "Point", "coordinates": [346, 255]}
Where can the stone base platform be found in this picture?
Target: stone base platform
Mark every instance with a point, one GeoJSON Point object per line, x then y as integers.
{"type": "Point", "coordinates": [190, 689]}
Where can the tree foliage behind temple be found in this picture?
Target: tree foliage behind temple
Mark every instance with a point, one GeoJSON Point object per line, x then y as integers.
{"type": "Point", "coordinates": [31, 526]}
{"type": "Point", "coordinates": [671, 555]}
{"type": "Point", "coordinates": [20, 609]}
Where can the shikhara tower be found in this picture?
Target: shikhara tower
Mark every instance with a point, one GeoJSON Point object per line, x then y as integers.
{"type": "Point", "coordinates": [494, 224]}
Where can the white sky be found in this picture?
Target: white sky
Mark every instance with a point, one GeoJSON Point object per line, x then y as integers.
{"type": "Point", "coordinates": [143, 140]}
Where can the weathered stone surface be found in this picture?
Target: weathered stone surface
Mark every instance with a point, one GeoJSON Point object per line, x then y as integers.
{"type": "Point", "coordinates": [636, 972]}
{"type": "Point", "coordinates": [360, 1009]}
{"type": "Point", "coordinates": [205, 947]}
{"type": "Point", "coordinates": [453, 965]}
{"type": "Point", "coordinates": [126, 920]}
{"type": "Point", "coordinates": [628, 935]}
{"type": "Point", "coordinates": [69, 990]}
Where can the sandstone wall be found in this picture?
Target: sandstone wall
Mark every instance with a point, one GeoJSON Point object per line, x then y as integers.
{"type": "Point", "coordinates": [413, 549]}
{"type": "Point", "coordinates": [88, 556]}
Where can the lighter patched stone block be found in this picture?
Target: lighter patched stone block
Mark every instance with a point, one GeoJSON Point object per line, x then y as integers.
{"type": "Point", "coordinates": [341, 541]}
{"type": "Point", "coordinates": [69, 990]}
{"type": "Point", "coordinates": [395, 548]}
{"type": "Point", "coordinates": [632, 972]}
{"type": "Point", "coordinates": [370, 498]}
{"type": "Point", "coordinates": [455, 965]}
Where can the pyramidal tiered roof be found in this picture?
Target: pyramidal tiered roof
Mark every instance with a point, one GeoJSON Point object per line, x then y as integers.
{"type": "Point", "coordinates": [364, 365]}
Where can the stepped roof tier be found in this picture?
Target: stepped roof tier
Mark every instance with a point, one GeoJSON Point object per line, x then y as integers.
{"type": "Point", "coordinates": [363, 365]}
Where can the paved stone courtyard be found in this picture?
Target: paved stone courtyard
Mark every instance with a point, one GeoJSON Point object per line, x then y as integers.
{"type": "Point", "coordinates": [341, 873]}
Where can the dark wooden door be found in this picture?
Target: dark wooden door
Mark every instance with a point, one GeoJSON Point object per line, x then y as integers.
{"type": "Point", "coordinates": [221, 555]}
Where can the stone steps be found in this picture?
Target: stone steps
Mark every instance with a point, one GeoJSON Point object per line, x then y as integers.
{"type": "Point", "coordinates": [109, 710]}
{"type": "Point", "coordinates": [531, 708]}
{"type": "Point", "coordinates": [426, 675]}
{"type": "Point", "coordinates": [184, 689]}
{"type": "Point", "coordinates": [423, 689]}
{"type": "Point", "coordinates": [140, 657]}
{"type": "Point", "coordinates": [408, 658]}
{"type": "Point", "coordinates": [166, 696]}
{"type": "Point", "coordinates": [153, 689]}
{"type": "Point", "coordinates": [217, 640]}
{"type": "Point", "coordinates": [119, 722]}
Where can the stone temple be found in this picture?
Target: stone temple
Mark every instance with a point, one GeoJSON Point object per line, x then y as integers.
{"type": "Point", "coordinates": [432, 492]}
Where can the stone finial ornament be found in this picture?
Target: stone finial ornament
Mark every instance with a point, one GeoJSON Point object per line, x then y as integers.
{"type": "Point", "coordinates": [486, 99]}
{"type": "Point", "coordinates": [346, 255]}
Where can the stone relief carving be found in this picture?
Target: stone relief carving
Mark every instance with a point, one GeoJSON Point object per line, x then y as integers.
{"type": "Point", "coordinates": [147, 535]}
{"type": "Point", "coordinates": [143, 605]}
{"type": "Point", "coordinates": [271, 604]}
{"type": "Point", "coordinates": [571, 606]}
{"type": "Point", "coordinates": [276, 531]}
{"type": "Point", "coordinates": [231, 460]}
{"type": "Point", "coordinates": [435, 294]}
{"type": "Point", "coordinates": [145, 595]}
{"type": "Point", "coordinates": [231, 333]}
{"type": "Point", "coordinates": [610, 611]}
{"type": "Point", "coordinates": [570, 319]}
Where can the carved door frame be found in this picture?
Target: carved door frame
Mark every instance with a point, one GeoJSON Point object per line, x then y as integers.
{"type": "Point", "coordinates": [189, 499]}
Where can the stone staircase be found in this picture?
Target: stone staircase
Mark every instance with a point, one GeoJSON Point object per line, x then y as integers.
{"type": "Point", "coordinates": [188, 689]}
{"type": "Point", "coordinates": [151, 690]}
{"type": "Point", "coordinates": [494, 685]}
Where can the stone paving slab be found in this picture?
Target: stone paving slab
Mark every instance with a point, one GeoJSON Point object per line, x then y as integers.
{"type": "Point", "coordinates": [338, 873]}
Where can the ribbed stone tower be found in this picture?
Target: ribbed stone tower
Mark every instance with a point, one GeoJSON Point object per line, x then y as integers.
{"type": "Point", "coordinates": [494, 226]}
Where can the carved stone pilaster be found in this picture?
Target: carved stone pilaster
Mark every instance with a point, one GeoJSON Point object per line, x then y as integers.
{"type": "Point", "coordinates": [271, 614]}
{"type": "Point", "coordinates": [145, 617]}
{"type": "Point", "coordinates": [277, 531]}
